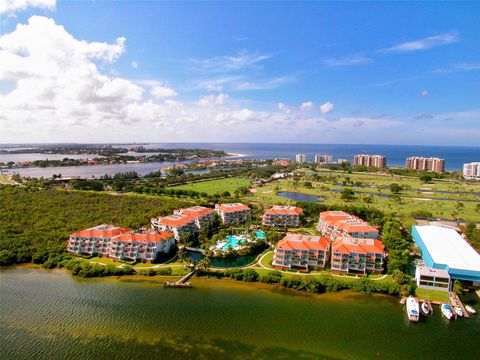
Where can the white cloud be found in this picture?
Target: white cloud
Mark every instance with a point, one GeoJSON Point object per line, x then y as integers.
{"type": "Point", "coordinates": [212, 87]}
{"type": "Point", "coordinates": [308, 105]}
{"type": "Point", "coordinates": [231, 63]}
{"type": "Point", "coordinates": [327, 107]}
{"type": "Point", "coordinates": [355, 59]}
{"type": "Point", "coordinates": [160, 91]}
{"type": "Point", "coordinates": [134, 64]}
{"type": "Point", "coordinates": [424, 43]}
{"type": "Point", "coordinates": [212, 100]}
{"type": "Point", "coordinates": [281, 106]}
{"type": "Point", "coordinates": [12, 6]}
{"type": "Point", "coordinates": [424, 93]}
{"type": "Point", "coordinates": [264, 84]}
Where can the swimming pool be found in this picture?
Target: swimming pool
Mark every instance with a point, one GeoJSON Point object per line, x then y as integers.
{"type": "Point", "coordinates": [233, 241]}
{"type": "Point", "coordinates": [260, 234]}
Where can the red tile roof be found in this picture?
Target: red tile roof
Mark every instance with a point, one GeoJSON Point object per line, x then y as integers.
{"type": "Point", "coordinates": [103, 230]}
{"type": "Point", "coordinates": [176, 220]}
{"type": "Point", "coordinates": [303, 242]}
{"type": "Point", "coordinates": [196, 211]}
{"type": "Point", "coordinates": [346, 247]}
{"type": "Point", "coordinates": [284, 210]}
{"type": "Point", "coordinates": [346, 222]}
{"type": "Point", "coordinates": [232, 207]}
{"type": "Point", "coordinates": [144, 236]}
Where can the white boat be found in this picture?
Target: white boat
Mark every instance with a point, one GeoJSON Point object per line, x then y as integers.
{"type": "Point", "coordinates": [447, 311]}
{"type": "Point", "coordinates": [470, 309]}
{"type": "Point", "coordinates": [425, 308]}
{"type": "Point", "coordinates": [458, 310]}
{"type": "Point", "coordinates": [413, 309]}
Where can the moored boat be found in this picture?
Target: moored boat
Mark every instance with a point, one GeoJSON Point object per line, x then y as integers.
{"type": "Point", "coordinates": [470, 309]}
{"type": "Point", "coordinates": [458, 310]}
{"type": "Point", "coordinates": [447, 311]}
{"type": "Point", "coordinates": [425, 308]}
{"type": "Point", "coordinates": [413, 309]}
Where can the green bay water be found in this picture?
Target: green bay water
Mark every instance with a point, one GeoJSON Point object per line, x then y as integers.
{"type": "Point", "coordinates": [52, 315]}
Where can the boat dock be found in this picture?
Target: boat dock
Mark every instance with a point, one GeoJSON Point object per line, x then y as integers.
{"type": "Point", "coordinates": [455, 301]}
{"type": "Point", "coordinates": [182, 283]}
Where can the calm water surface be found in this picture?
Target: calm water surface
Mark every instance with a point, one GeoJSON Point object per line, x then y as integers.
{"type": "Point", "coordinates": [52, 315]}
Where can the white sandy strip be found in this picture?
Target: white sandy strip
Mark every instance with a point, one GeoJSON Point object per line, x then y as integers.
{"type": "Point", "coordinates": [267, 192]}
{"type": "Point", "coordinates": [236, 155]}
{"type": "Point", "coordinates": [423, 199]}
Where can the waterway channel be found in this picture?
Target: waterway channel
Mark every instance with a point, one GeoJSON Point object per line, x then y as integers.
{"type": "Point", "coordinates": [52, 315]}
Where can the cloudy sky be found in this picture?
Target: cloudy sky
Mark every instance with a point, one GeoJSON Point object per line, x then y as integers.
{"type": "Point", "coordinates": [371, 73]}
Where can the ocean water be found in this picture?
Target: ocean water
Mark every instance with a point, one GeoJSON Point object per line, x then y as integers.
{"type": "Point", "coordinates": [455, 156]}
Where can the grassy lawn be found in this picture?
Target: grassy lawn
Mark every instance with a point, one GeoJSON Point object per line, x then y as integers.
{"type": "Point", "coordinates": [439, 208]}
{"type": "Point", "coordinates": [267, 260]}
{"type": "Point", "coordinates": [434, 295]}
{"type": "Point", "coordinates": [215, 186]}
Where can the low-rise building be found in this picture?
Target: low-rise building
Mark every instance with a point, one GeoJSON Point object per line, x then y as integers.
{"type": "Point", "coordinates": [445, 249]}
{"type": "Point", "coordinates": [471, 171]}
{"type": "Point", "coordinates": [141, 245]}
{"type": "Point", "coordinates": [339, 225]}
{"type": "Point", "coordinates": [302, 252]}
{"type": "Point", "coordinates": [280, 215]}
{"type": "Point", "coordinates": [430, 278]}
{"type": "Point", "coordinates": [94, 240]}
{"type": "Point", "coordinates": [233, 213]}
{"type": "Point", "coordinates": [357, 256]}
{"type": "Point", "coordinates": [184, 223]}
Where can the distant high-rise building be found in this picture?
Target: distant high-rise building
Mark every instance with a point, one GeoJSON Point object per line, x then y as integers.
{"type": "Point", "coordinates": [378, 161]}
{"type": "Point", "coordinates": [471, 171]}
{"type": "Point", "coordinates": [341, 161]}
{"type": "Point", "coordinates": [425, 164]}
{"type": "Point", "coordinates": [300, 158]}
{"type": "Point", "coordinates": [319, 158]}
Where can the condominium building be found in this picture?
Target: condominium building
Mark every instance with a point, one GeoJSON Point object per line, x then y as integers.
{"type": "Point", "coordinates": [184, 223]}
{"type": "Point", "coordinates": [319, 158]}
{"type": "Point", "coordinates": [300, 158]}
{"type": "Point", "coordinates": [233, 213]}
{"type": "Point", "coordinates": [357, 256]}
{"type": "Point", "coordinates": [301, 252]}
{"type": "Point", "coordinates": [279, 215]}
{"type": "Point", "coordinates": [120, 243]}
{"type": "Point", "coordinates": [378, 161]}
{"type": "Point", "coordinates": [425, 164]}
{"type": "Point", "coordinates": [141, 245]}
{"type": "Point", "coordinates": [94, 240]}
{"type": "Point", "coordinates": [339, 225]}
{"type": "Point", "coordinates": [471, 171]}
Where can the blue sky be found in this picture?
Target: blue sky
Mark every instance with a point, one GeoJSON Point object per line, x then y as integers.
{"type": "Point", "coordinates": [340, 72]}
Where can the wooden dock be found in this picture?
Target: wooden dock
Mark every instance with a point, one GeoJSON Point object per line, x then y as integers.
{"type": "Point", "coordinates": [182, 283]}
{"type": "Point", "coordinates": [455, 301]}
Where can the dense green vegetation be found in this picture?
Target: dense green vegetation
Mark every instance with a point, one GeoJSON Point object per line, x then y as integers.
{"type": "Point", "coordinates": [35, 224]}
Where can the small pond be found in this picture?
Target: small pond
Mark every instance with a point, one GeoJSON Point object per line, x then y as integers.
{"type": "Point", "coordinates": [296, 196]}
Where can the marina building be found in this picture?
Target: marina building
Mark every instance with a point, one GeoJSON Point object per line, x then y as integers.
{"type": "Point", "coordinates": [301, 252]}
{"type": "Point", "coordinates": [471, 171]}
{"type": "Point", "coordinates": [184, 223]}
{"type": "Point", "coordinates": [339, 224]}
{"type": "Point", "coordinates": [358, 256]}
{"type": "Point", "coordinates": [233, 213]}
{"type": "Point", "coordinates": [141, 245]}
{"type": "Point", "coordinates": [280, 215]}
{"type": "Point", "coordinates": [95, 240]}
{"type": "Point", "coordinates": [425, 164]}
{"type": "Point", "coordinates": [435, 279]}
{"type": "Point", "coordinates": [378, 161]}
{"type": "Point", "coordinates": [321, 159]}
{"type": "Point", "coordinates": [444, 249]}
{"type": "Point", "coordinates": [300, 158]}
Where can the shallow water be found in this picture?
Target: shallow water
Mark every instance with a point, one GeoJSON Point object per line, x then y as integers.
{"type": "Point", "coordinates": [50, 314]}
